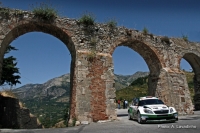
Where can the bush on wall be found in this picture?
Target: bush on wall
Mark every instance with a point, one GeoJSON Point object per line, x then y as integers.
{"type": "Point", "coordinates": [45, 11]}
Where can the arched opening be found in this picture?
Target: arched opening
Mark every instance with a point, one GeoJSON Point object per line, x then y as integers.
{"type": "Point", "coordinates": [193, 76]}
{"type": "Point", "coordinates": [53, 97]}
{"type": "Point", "coordinates": [188, 71]}
{"type": "Point", "coordinates": [131, 74]}
{"type": "Point", "coordinates": [151, 60]}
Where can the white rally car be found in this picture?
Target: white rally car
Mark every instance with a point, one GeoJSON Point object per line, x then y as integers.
{"type": "Point", "coordinates": [151, 109]}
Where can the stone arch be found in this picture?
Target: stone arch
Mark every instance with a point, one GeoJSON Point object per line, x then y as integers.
{"type": "Point", "coordinates": [194, 61]}
{"type": "Point", "coordinates": [54, 31]}
{"type": "Point", "coordinates": [149, 55]}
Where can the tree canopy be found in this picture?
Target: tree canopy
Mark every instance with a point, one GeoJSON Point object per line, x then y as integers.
{"type": "Point", "coordinates": [10, 73]}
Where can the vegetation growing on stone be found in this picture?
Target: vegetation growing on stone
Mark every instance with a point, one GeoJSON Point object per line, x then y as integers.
{"type": "Point", "coordinates": [145, 31]}
{"type": "Point", "coordinates": [185, 38]}
{"type": "Point", "coordinates": [112, 23]}
{"type": "Point", "coordinates": [87, 19]}
{"type": "Point", "coordinates": [91, 55]}
{"type": "Point", "coordinates": [45, 11]}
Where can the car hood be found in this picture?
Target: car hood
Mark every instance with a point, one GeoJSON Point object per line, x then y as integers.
{"type": "Point", "coordinates": [157, 107]}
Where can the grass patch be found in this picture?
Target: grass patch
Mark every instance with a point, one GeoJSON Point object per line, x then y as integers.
{"type": "Point", "coordinates": [112, 23]}
{"type": "Point", "coordinates": [45, 11]}
{"type": "Point", "coordinates": [87, 19]}
{"type": "Point", "coordinates": [145, 31]}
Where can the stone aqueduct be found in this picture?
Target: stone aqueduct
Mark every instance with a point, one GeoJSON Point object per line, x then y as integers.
{"type": "Point", "coordinates": [92, 77]}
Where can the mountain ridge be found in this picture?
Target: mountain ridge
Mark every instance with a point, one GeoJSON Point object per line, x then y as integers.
{"type": "Point", "coordinates": [59, 86]}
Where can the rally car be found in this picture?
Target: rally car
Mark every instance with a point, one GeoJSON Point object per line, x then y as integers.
{"type": "Point", "coordinates": [151, 109]}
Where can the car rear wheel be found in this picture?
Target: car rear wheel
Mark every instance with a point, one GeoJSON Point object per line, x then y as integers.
{"type": "Point", "coordinates": [129, 116]}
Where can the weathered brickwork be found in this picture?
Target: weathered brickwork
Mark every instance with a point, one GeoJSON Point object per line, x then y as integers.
{"type": "Point", "coordinates": [97, 88]}
{"type": "Point", "coordinates": [92, 68]}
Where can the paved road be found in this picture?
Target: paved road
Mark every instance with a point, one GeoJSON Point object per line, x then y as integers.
{"type": "Point", "coordinates": [186, 124]}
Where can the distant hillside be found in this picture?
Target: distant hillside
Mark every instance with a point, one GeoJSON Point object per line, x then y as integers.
{"type": "Point", "coordinates": [139, 88]}
{"type": "Point", "coordinates": [122, 81]}
{"type": "Point", "coordinates": [55, 88]}
{"type": "Point", "coordinates": [136, 89]}
{"type": "Point", "coordinates": [47, 101]}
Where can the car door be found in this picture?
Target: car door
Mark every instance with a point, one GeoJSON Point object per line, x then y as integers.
{"type": "Point", "coordinates": [135, 107]}
{"type": "Point", "coordinates": [130, 110]}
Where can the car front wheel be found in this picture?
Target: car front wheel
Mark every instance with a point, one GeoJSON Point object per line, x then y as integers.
{"type": "Point", "coordinates": [139, 118]}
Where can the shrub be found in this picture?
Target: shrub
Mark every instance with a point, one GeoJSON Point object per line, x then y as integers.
{"type": "Point", "coordinates": [45, 11]}
{"type": "Point", "coordinates": [87, 19]}
{"type": "Point", "coordinates": [145, 31]}
{"type": "Point", "coordinates": [112, 23]}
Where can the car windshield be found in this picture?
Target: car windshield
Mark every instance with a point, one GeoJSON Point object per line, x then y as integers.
{"type": "Point", "coordinates": [150, 102]}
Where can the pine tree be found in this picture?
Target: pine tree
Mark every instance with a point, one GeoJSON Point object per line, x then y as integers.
{"type": "Point", "coordinates": [10, 73]}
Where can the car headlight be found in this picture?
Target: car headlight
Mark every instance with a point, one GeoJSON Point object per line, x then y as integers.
{"type": "Point", "coordinates": [148, 111]}
{"type": "Point", "coordinates": [171, 110]}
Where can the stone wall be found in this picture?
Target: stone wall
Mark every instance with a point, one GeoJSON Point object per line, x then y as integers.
{"type": "Point", "coordinates": [91, 48]}
{"type": "Point", "coordinates": [15, 117]}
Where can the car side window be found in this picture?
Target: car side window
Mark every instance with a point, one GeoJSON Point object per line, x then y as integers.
{"type": "Point", "coordinates": [136, 101]}
{"type": "Point", "coordinates": [133, 102]}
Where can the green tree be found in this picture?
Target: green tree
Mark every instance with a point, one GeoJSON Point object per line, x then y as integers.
{"type": "Point", "coordinates": [10, 73]}
{"type": "Point", "coordinates": [66, 116]}
{"type": "Point", "coordinates": [139, 81]}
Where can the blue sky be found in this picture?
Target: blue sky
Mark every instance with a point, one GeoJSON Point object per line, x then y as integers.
{"type": "Point", "coordinates": [42, 57]}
